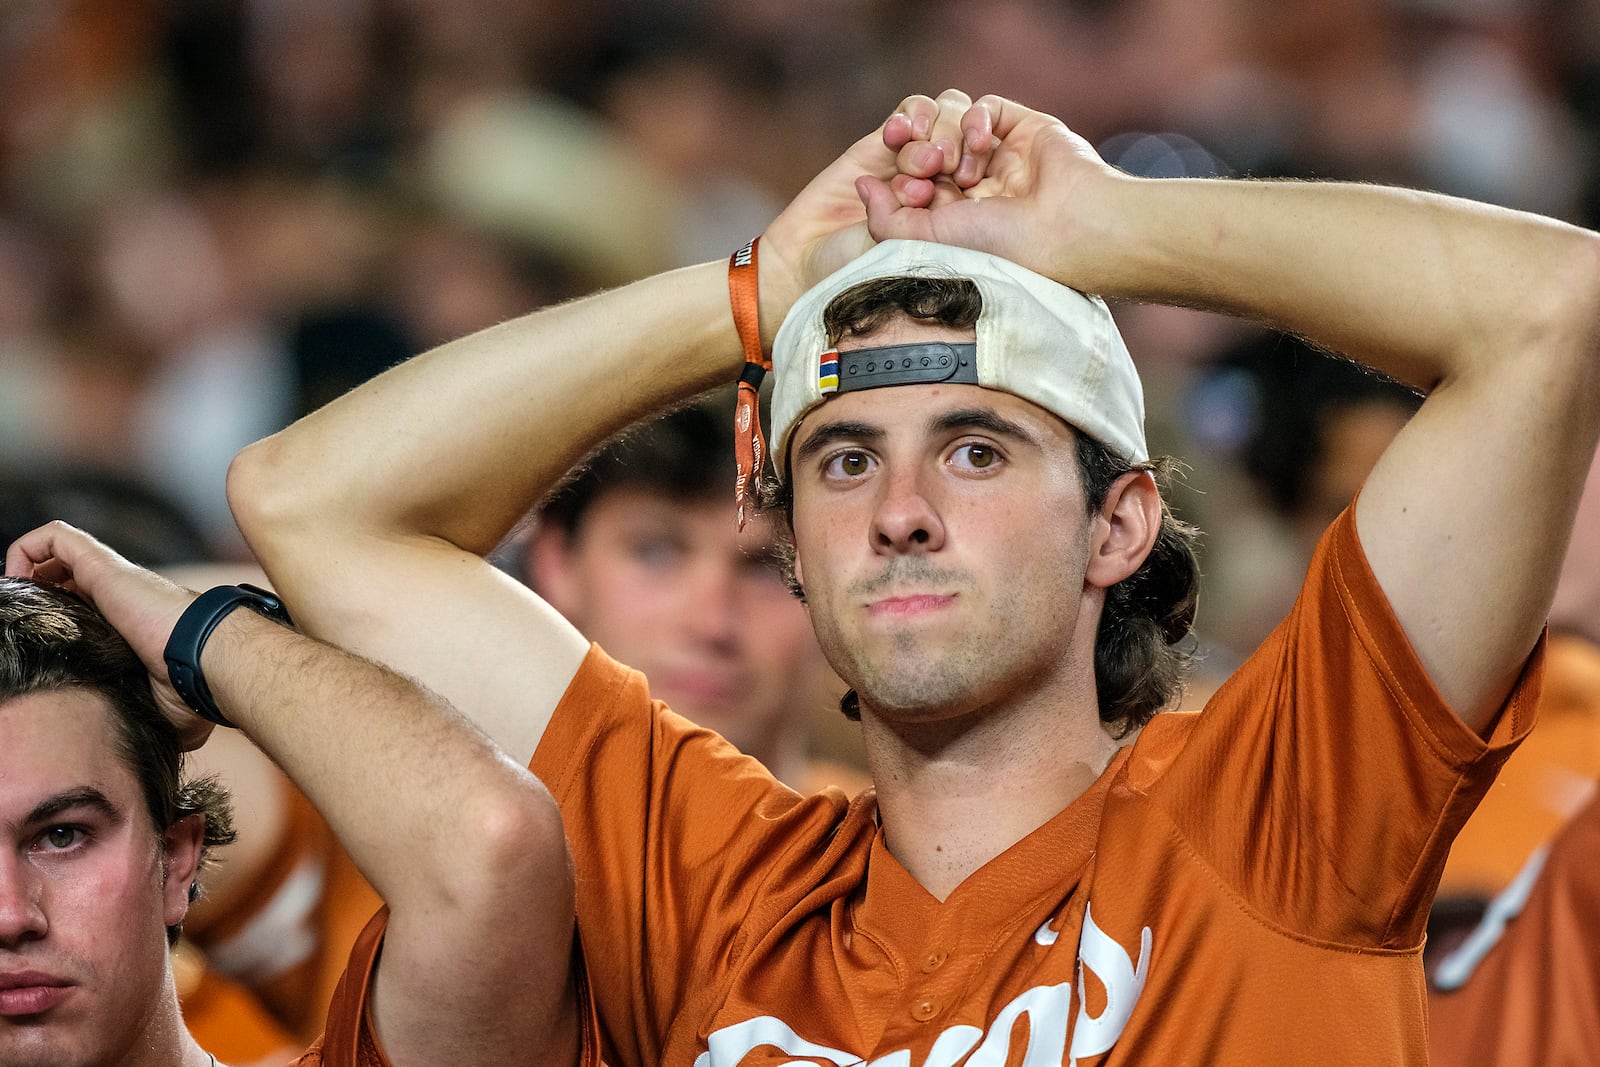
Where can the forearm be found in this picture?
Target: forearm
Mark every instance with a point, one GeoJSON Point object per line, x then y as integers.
{"type": "Point", "coordinates": [465, 847]}
{"type": "Point", "coordinates": [1420, 286]}
{"type": "Point", "coordinates": [459, 443]}
{"type": "Point", "coordinates": [400, 777]}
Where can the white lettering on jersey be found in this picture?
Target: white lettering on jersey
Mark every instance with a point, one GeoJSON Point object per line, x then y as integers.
{"type": "Point", "coordinates": [732, 1043]}
{"type": "Point", "coordinates": [1100, 954]}
{"type": "Point", "coordinates": [1048, 1009]}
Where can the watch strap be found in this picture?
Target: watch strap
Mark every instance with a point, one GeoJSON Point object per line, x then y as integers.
{"type": "Point", "coordinates": [750, 447]}
{"type": "Point", "coordinates": [188, 640]}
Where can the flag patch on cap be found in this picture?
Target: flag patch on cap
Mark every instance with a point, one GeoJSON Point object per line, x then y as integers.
{"type": "Point", "coordinates": [828, 372]}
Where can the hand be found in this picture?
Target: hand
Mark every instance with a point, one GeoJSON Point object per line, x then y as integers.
{"type": "Point", "coordinates": [142, 606]}
{"type": "Point", "coordinates": [1014, 182]}
{"type": "Point", "coordinates": [825, 227]}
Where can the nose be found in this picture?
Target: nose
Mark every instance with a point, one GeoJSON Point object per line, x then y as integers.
{"type": "Point", "coordinates": [22, 915]}
{"type": "Point", "coordinates": [906, 520]}
{"type": "Point", "coordinates": [711, 606]}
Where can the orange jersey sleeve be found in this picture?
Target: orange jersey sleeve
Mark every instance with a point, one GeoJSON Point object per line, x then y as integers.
{"type": "Point", "coordinates": [1326, 779]}
{"type": "Point", "coordinates": [1248, 884]}
{"type": "Point", "coordinates": [1525, 986]}
{"type": "Point", "coordinates": [347, 1039]}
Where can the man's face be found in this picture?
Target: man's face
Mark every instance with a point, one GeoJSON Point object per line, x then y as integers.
{"type": "Point", "coordinates": [667, 586]}
{"type": "Point", "coordinates": [942, 542]}
{"type": "Point", "coordinates": [85, 891]}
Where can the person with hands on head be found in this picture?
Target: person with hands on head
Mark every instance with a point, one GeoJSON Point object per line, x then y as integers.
{"type": "Point", "coordinates": [105, 838]}
{"type": "Point", "coordinates": [1051, 868]}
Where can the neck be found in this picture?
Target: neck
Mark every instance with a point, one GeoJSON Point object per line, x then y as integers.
{"type": "Point", "coordinates": [165, 1041]}
{"type": "Point", "coordinates": [784, 751]}
{"type": "Point", "coordinates": [955, 794]}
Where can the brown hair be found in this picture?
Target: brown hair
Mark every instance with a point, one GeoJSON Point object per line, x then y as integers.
{"type": "Point", "coordinates": [50, 640]}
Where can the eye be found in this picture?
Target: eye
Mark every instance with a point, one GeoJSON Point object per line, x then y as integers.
{"type": "Point", "coordinates": [61, 838]}
{"type": "Point", "coordinates": [851, 463]}
{"type": "Point", "coordinates": [658, 552]}
{"type": "Point", "coordinates": [975, 456]}
{"type": "Point", "coordinates": [764, 566]}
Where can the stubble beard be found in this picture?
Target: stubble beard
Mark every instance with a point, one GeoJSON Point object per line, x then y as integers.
{"type": "Point", "coordinates": [918, 677]}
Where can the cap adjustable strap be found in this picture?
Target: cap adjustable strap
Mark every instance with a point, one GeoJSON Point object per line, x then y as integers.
{"type": "Point", "coordinates": [750, 447]}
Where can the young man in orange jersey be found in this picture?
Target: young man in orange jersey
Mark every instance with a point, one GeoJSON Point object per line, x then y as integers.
{"type": "Point", "coordinates": [1034, 880]}
{"type": "Point", "coordinates": [104, 836]}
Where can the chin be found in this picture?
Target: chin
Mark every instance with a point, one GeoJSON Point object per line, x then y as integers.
{"type": "Point", "coordinates": [915, 703]}
{"type": "Point", "coordinates": [40, 1049]}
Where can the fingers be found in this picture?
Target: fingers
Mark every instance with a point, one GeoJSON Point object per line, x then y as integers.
{"type": "Point", "coordinates": [946, 132]}
{"type": "Point", "coordinates": [912, 121]}
{"type": "Point", "coordinates": [139, 603]}
{"type": "Point", "coordinates": [926, 133]}
{"type": "Point", "coordinates": [900, 129]}
{"type": "Point", "coordinates": [1005, 115]}
{"type": "Point", "coordinates": [978, 141]}
{"type": "Point", "coordinates": [949, 136]}
{"type": "Point", "coordinates": [898, 208]}
{"type": "Point", "coordinates": [53, 553]}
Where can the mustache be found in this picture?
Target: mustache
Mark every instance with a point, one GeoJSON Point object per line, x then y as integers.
{"type": "Point", "coordinates": [910, 570]}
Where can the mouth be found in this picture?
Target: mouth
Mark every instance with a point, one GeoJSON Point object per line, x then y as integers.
{"type": "Point", "coordinates": [30, 993]}
{"type": "Point", "coordinates": [909, 605]}
{"type": "Point", "coordinates": [697, 687]}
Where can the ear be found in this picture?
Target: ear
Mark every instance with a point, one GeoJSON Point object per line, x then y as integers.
{"type": "Point", "coordinates": [1125, 529]}
{"type": "Point", "coordinates": [550, 571]}
{"type": "Point", "coordinates": [181, 845]}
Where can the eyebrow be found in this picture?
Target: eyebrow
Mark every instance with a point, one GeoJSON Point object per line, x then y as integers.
{"type": "Point", "coordinates": [981, 419]}
{"type": "Point", "coordinates": [82, 797]}
{"type": "Point", "coordinates": [829, 432]}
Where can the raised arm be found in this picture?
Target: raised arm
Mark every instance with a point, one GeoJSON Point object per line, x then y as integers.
{"type": "Point", "coordinates": [464, 845]}
{"type": "Point", "coordinates": [371, 516]}
{"type": "Point", "coordinates": [1494, 313]}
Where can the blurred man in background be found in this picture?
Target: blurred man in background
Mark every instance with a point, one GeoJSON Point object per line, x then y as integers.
{"type": "Point", "coordinates": [640, 551]}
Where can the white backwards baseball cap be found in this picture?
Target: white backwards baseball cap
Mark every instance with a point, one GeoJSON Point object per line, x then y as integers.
{"type": "Point", "coordinates": [1036, 338]}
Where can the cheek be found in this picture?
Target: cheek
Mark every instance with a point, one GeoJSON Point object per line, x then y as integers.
{"type": "Point", "coordinates": [108, 908]}
{"type": "Point", "coordinates": [631, 598]}
{"type": "Point", "coordinates": [785, 641]}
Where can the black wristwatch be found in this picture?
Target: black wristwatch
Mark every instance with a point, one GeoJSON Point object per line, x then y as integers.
{"type": "Point", "coordinates": [189, 639]}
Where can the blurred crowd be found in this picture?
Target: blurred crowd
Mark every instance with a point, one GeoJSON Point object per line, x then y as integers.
{"type": "Point", "coordinates": [217, 214]}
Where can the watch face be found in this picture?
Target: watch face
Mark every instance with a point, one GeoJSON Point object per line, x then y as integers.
{"type": "Point", "coordinates": [266, 603]}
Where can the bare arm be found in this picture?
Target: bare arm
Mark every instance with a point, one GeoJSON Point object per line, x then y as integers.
{"type": "Point", "coordinates": [371, 515]}
{"type": "Point", "coordinates": [1493, 312]}
{"type": "Point", "coordinates": [257, 786]}
{"type": "Point", "coordinates": [464, 845]}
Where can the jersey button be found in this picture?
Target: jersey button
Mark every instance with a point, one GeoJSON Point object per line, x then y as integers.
{"type": "Point", "coordinates": [923, 1010]}
{"type": "Point", "coordinates": [934, 961]}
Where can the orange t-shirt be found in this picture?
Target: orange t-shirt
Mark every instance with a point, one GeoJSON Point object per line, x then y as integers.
{"type": "Point", "coordinates": [1543, 784]}
{"type": "Point", "coordinates": [287, 939]}
{"type": "Point", "coordinates": [1248, 884]}
{"type": "Point", "coordinates": [1525, 987]}
{"type": "Point", "coordinates": [347, 1039]}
